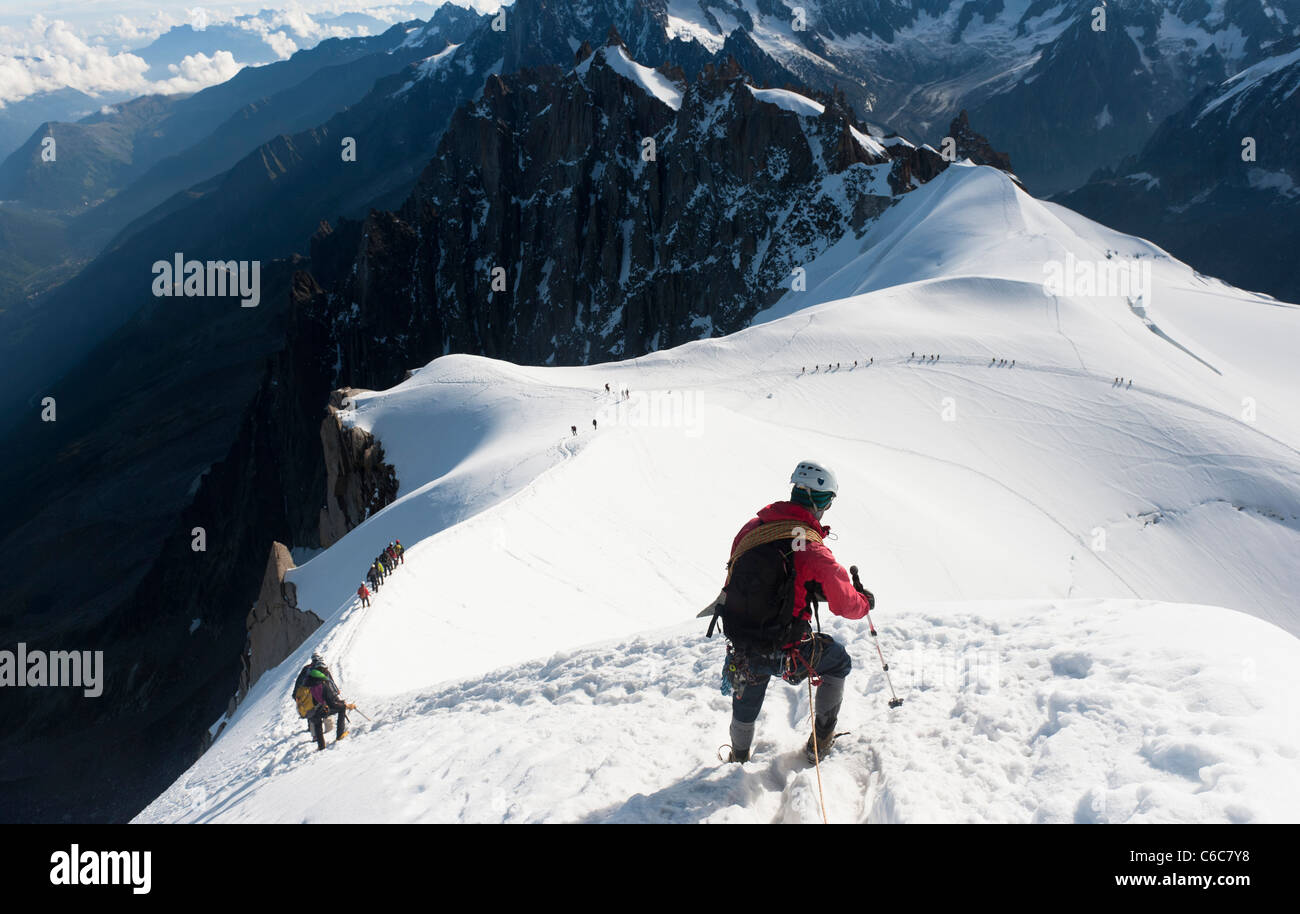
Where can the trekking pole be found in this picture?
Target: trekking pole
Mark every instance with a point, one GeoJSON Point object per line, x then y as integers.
{"type": "Point", "coordinates": [895, 701]}
{"type": "Point", "coordinates": [359, 711]}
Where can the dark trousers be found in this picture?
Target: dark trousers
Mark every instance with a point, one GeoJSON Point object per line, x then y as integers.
{"type": "Point", "coordinates": [825, 655]}
{"type": "Point", "coordinates": [318, 725]}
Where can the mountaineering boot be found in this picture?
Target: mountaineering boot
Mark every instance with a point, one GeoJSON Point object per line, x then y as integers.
{"type": "Point", "coordinates": [825, 739]}
{"type": "Point", "coordinates": [742, 737]}
{"type": "Point", "coordinates": [342, 735]}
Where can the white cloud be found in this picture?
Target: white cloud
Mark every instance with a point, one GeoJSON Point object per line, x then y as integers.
{"type": "Point", "coordinates": [48, 55]}
{"type": "Point", "coordinates": [197, 71]}
{"type": "Point", "coordinates": [124, 32]}
{"type": "Point", "coordinates": [275, 27]}
{"type": "Point", "coordinates": [281, 43]}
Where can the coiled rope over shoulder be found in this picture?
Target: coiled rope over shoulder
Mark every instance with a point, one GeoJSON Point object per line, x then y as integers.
{"type": "Point", "coordinates": [769, 533]}
{"type": "Point", "coordinates": [761, 535]}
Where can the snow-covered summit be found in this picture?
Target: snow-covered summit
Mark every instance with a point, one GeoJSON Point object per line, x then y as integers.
{"type": "Point", "coordinates": [1085, 586]}
{"type": "Point", "coordinates": [651, 81]}
{"type": "Point", "coordinates": [807, 107]}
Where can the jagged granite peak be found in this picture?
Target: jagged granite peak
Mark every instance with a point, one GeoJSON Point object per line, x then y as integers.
{"type": "Point", "coordinates": [359, 482]}
{"type": "Point", "coordinates": [275, 625]}
{"type": "Point", "coordinates": [616, 218]}
{"type": "Point", "coordinates": [974, 146]}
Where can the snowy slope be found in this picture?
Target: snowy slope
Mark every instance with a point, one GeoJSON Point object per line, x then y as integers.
{"type": "Point", "coordinates": [1026, 514]}
{"type": "Point", "coordinates": [1062, 711]}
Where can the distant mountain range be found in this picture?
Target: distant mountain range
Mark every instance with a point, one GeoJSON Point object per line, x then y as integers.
{"type": "Point", "coordinates": [1218, 184]}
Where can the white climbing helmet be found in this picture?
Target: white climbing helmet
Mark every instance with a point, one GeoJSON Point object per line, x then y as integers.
{"type": "Point", "coordinates": [816, 478]}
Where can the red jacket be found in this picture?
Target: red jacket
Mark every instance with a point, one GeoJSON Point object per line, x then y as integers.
{"type": "Point", "coordinates": [362, 591]}
{"type": "Point", "coordinates": [814, 564]}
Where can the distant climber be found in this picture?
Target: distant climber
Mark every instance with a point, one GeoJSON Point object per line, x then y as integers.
{"type": "Point", "coordinates": [364, 594]}
{"type": "Point", "coordinates": [301, 692]}
{"type": "Point", "coordinates": [779, 570]}
{"type": "Point", "coordinates": [317, 663]}
{"type": "Point", "coordinates": [593, 424]}
{"type": "Point", "coordinates": [607, 388]}
{"type": "Point", "coordinates": [401, 552]}
{"type": "Point", "coordinates": [321, 699]}
{"type": "Point", "coordinates": [574, 429]}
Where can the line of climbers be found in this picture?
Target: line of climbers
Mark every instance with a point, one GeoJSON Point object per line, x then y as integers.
{"type": "Point", "coordinates": [836, 367]}
{"type": "Point", "coordinates": [383, 565]}
{"type": "Point", "coordinates": [994, 362]}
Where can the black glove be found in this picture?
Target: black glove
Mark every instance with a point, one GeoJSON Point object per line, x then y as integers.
{"type": "Point", "coordinates": [857, 584]}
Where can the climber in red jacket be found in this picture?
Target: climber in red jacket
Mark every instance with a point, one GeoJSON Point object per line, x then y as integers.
{"type": "Point", "coordinates": [780, 569]}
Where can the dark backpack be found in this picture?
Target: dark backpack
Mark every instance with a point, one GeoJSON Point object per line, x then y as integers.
{"type": "Point", "coordinates": [302, 692]}
{"type": "Point", "coordinates": [758, 613]}
{"type": "Point", "coordinates": [757, 603]}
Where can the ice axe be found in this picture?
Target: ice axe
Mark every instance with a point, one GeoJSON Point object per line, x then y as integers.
{"type": "Point", "coordinates": [359, 711]}
{"type": "Point", "coordinates": [895, 701]}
